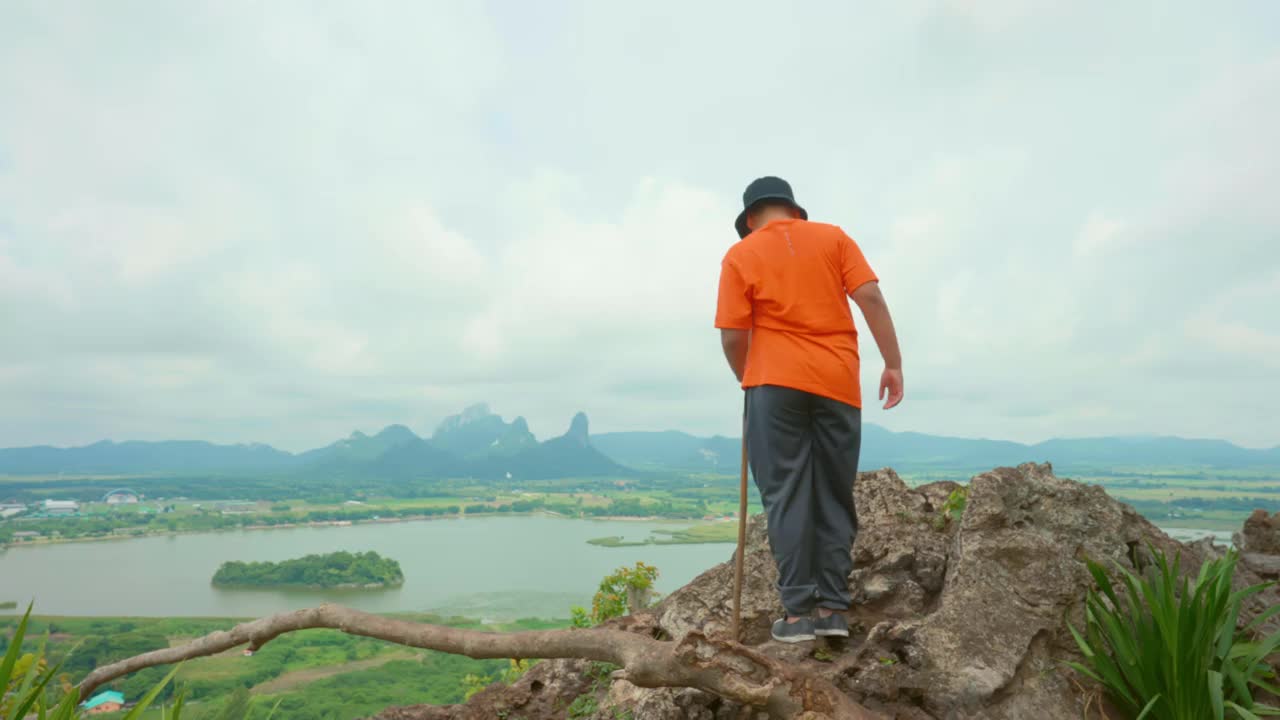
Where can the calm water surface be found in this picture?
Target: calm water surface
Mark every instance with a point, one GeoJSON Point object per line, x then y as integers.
{"type": "Point", "coordinates": [490, 567]}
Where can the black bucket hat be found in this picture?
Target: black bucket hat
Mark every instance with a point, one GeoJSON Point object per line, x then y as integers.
{"type": "Point", "coordinates": [760, 190]}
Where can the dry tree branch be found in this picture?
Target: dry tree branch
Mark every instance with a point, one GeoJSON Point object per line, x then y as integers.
{"type": "Point", "coordinates": [724, 668]}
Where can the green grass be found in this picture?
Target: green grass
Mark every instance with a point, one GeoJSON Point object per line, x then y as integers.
{"type": "Point", "coordinates": [717, 532]}
{"type": "Point", "coordinates": [386, 674]}
{"type": "Point", "coordinates": [1172, 492]}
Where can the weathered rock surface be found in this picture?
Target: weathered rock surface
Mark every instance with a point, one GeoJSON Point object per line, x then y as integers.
{"type": "Point", "coordinates": [952, 620]}
{"type": "Point", "coordinates": [1265, 566]}
{"type": "Point", "coordinates": [1261, 534]}
{"type": "Point", "coordinates": [1259, 544]}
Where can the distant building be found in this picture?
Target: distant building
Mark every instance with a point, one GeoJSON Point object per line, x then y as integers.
{"type": "Point", "coordinates": [60, 507]}
{"type": "Point", "coordinates": [26, 535]}
{"type": "Point", "coordinates": [104, 702]}
{"type": "Point", "coordinates": [122, 496]}
{"type": "Point", "coordinates": [237, 507]}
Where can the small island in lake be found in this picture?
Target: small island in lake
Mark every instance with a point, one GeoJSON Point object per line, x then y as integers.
{"type": "Point", "coordinates": [334, 570]}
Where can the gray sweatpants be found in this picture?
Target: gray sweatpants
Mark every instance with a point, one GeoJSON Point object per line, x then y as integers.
{"type": "Point", "coordinates": [803, 451]}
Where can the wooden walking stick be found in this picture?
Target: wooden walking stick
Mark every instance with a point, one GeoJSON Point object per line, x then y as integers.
{"type": "Point", "coordinates": [742, 535]}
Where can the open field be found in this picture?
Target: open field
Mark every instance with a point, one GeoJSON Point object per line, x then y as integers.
{"type": "Point", "coordinates": [294, 679]}
{"type": "Point", "coordinates": [1174, 492]}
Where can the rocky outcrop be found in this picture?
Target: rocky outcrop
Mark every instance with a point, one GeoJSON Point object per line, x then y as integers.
{"type": "Point", "coordinates": [1259, 544]}
{"type": "Point", "coordinates": [476, 433]}
{"type": "Point", "coordinates": [579, 430]}
{"type": "Point", "coordinates": [1260, 534]}
{"type": "Point", "coordinates": [958, 615]}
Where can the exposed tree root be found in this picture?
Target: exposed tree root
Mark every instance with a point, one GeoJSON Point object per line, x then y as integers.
{"type": "Point", "coordinates": [727, 669]}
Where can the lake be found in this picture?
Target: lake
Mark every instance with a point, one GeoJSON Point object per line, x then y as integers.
{"type": "Point", "coordinates": [496, 568]}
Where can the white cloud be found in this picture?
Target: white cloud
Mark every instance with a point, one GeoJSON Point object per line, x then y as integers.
{"type": "Point", "coordinates": [1241, 323]}
{"type": "Point", "coordinates": [278, 224]}
{"type": "Point", "coordinates": [1099, 234]}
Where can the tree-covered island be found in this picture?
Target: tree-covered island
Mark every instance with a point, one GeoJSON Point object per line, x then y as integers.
{"type": "Point", "coordinates": [333, 570]}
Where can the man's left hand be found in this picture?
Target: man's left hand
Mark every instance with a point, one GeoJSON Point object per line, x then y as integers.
{"type": "Point", "coordinates": [891, 384]}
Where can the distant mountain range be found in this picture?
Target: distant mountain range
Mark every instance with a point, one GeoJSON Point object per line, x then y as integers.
{"type": "Point", "coordinates": [477, 443]}
{"type": "Point", "coordinates": [909, 451]}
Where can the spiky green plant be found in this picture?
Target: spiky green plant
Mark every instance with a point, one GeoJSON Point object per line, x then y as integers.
{"type": "Point", "coordinates": [1166, 648]}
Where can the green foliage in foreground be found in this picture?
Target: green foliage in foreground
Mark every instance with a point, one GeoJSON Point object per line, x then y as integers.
{"type": "Point", "coordinates": [27, 680]}
{"type": "Point", "coordinates": [1168, 649]}
{"type": "Point", "coordinates": [473, 684]}
{"type": "Point", "coordinates": [952, 509]}
{"type": "Point", "coordinates": [610, 600]}
{"type": "Point", "coordinates": [339, 569]}
{"type": "Point", "coordinates": [586, 705]}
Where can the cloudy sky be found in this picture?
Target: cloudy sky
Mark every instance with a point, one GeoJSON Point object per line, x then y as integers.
{"type": "Point", "coordinates": [278, 222]}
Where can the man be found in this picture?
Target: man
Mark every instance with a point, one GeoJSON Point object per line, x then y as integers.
{"type": "Point", "coordinates": [789, 337]}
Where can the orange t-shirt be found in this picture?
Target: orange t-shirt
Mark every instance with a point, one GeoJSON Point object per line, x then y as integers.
{"type": "Point", "coordinates": [789, 283]}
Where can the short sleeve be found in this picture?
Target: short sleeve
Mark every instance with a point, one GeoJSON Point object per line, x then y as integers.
{"type": "Point", "coordinates": [853, 266]}
{"type": "Point", "coordinates": [733, 308]}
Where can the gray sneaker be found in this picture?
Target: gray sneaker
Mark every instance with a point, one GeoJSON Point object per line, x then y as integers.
{"type": "Point", "coordinates": [798, 631]}
{"type": "Point", "coordinates": [833, 625]}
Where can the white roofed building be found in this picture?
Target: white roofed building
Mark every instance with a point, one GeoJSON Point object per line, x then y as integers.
{"type": "Point", "coordinates": [60, 507]}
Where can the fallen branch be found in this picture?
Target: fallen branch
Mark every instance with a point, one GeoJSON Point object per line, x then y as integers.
{"type": "Point", "coordinates": [727, 669]}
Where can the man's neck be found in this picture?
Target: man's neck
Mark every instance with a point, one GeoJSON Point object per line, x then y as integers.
{"type": "Point", "coordinates": [771, 214]}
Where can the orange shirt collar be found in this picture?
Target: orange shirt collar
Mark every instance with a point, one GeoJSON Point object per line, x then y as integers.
{"type": "Point", "coordinates": [778, 221]}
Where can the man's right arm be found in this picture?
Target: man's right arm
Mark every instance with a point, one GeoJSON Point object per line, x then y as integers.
{"type": "Point", "coordinates": [875, 309]}
{"type": "Point", "coordinates": [734, 316]}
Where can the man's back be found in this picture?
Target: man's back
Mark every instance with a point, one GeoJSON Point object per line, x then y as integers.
{"type": "Point", "coordinates": [789, 282]}
{"type": "Point", "coordinates": [788, 335]}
